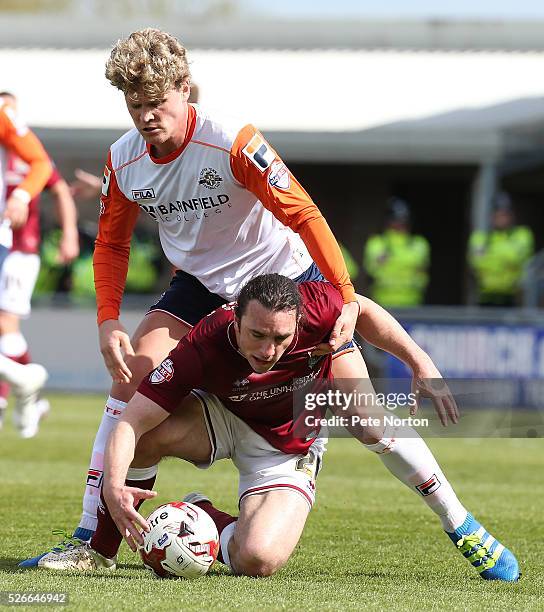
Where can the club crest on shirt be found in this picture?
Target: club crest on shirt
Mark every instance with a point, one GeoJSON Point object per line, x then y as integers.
{"type": "Point", "coordinates": [162, 373]}
{"type": "Point", "coordinates": [209, 177]}
{"type": "Point", "coordinates": [313, 360]}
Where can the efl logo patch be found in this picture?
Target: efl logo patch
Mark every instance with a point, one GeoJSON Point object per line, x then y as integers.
{"type": "Point", "coordinates": [429, 486]}
{"type": "Point", "coordinates": [94, 478]}
{"type": "Point", "coordinates": [143, 194]}
{"type": "Point", "coordinates": [279, 176]}
{"type": "Point", "coordinates": [259, 153]}
{"type": "Point", "coordinates": [162, 373]}
{"type": "Point", "coordinates": [106, 181]}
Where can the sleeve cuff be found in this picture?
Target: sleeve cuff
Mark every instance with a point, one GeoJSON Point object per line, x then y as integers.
{"type": "Point", "coordinates": [107, 313]}
{"type": "Point", "coordinates": [22, 195]}
{"type": "Point", "coordinates": [348, 293]}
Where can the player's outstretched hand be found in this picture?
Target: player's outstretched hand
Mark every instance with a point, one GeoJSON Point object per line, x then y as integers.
{"type": "Point", "coordinates": [428, 382]}
{"type": "Point", "coordinates": [342, 331]}
{"type": "Point", "coordinates": [16, 211]}
{"type": "Point", "coordinates": [115, 346]}
{"type": "Point", "coordinates": [86, 185]}
{"type": "Point", "coordinates": [68, 247]}
{"type": "Point", "coordinates": [120, 504]}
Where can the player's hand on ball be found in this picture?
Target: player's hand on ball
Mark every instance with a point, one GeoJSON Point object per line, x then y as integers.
{"type": "Point", "coordinates": [120, 504]}
{"type": "Point", "coordinates": [342, 331]}
{"type": "Point", "coordinates": [115, 346]}
{"type": "Point", "coordinates": [428, 382]}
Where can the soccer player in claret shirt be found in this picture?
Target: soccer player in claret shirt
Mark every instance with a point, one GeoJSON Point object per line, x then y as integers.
{"type": "Point", "coordinates": [257, 351]}
{"type": "Point", "coordinates": [17, 139]}
{"type": "Point", "coordinates": [20, 269]}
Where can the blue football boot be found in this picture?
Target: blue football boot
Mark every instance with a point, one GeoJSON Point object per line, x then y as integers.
{"type": "Point", "coordinates": [68, 542]}
{"type": "Point", "coordinates": [490, 558]}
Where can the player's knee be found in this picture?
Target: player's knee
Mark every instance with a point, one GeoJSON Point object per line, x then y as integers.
{"type": "Point", "coordinates": [257, 560]}
{"type": "Point", "coordinates": [370, 437]}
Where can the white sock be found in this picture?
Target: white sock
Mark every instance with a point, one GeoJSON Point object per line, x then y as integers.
{"type": "Point", "coordinates": [12, 372]}
{"type": "Point", "coordinates": [407, 457]}
{"type": "Point", "coordinates": [113, 410]}
{"type": "Point", "coordinates": [142, 473]}
{"type": "Point", "coordinates": [224, 540]}
{"type": "Point", "coordinates": [13, 344]}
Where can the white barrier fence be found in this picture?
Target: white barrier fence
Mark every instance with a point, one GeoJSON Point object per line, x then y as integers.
{"type": "Point", "coordinates": [65, 341]}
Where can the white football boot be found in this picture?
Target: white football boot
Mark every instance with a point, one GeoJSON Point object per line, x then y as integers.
{"type": "Point", "coordinates": [28, 411]}
{"type": "Point", "coordinates": [80, 559]}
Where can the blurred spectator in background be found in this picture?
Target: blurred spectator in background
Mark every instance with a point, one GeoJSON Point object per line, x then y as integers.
{"type": "Point", "coordinates": [497, 257]}
{"type": "Point", "coordinates": [351, 264]}
{"type": "Point", "coordinates": [26, 170]}
{"type": "Point", "coordinates": [397, 260]}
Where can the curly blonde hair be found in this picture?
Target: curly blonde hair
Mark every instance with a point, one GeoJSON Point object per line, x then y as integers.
{"type": "Point", "coordinates": [148, 62]}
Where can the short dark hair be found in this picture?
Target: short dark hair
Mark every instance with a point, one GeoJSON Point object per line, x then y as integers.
{"type": "Point", "coordinates": [273, 291]}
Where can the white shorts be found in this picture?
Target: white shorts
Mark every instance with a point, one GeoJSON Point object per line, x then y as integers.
{"type": "Point", "coordinates": [261, 467]}
{"type": "Point", "coordinates": [17, 279]}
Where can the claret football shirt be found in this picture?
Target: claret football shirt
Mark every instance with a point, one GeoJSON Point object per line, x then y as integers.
{"type": "Point", "coordinates": [208, 359]}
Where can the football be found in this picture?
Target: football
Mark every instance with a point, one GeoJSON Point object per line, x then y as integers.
{"type": "Point", "coordinates": [183, 541]}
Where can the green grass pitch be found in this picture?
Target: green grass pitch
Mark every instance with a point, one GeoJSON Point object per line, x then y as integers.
{"type": "Point", "coordinates": [369, 542]}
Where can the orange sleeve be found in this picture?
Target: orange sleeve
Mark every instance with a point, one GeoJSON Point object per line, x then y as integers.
{"type": "Point", "coordinates": [18, 139]}
{"type": "Point", "coordinates": [116, 223]}
{"type": "Point", "coordinates": [259, 168]}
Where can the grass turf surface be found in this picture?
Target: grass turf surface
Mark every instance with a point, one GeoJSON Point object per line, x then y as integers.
{"type": "Point", "coordinates": [369, 543]}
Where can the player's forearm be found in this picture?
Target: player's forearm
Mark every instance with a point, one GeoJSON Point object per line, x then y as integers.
{"type": "Point", "coordinates": [380, 328]}
{"type": "Point", "coordinates": [119, 455]}
{"type": "Point", "coordinates": [110, 265]}
{"type": "Point", "coordinates": [319, 240]}
{"type": "Point", "coordinates": [65, 207]}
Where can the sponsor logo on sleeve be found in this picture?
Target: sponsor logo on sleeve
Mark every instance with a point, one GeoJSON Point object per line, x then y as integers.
{"type": "Point", "coordinates": [278, 176]}
{"type": "Point", "coordinates": [429, 486]}
{"type": "Point", "coordinates": [259, 153]}
{"type": "Point", "coordinates": [106, 181]}
{"type": "Point", "coordinates": [163, 373]}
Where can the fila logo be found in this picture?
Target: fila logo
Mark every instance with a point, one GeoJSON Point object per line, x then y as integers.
{"type": "Point", "coordinates": [429, 486]}
{"type": "Point", "coordinates": [94, 478]}
{"type": "Point", "coordinates": [259, 152]}
{"type": "Point", "coordinates": [143, 194]}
